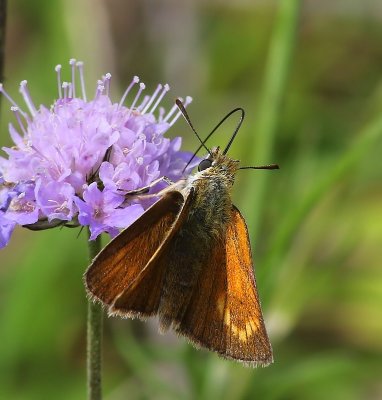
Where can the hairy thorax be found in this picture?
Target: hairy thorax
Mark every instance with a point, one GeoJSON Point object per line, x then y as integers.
{"type": "Point", "coordinates": [211, 211]}
{"type": "Point", "coordinates": [212, 204]}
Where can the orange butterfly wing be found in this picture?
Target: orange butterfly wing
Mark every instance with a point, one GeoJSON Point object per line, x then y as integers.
{"type": "Point", "coordinates": [142, 296]}
{"type": "Point", "coordinates": [224, 314]}
{"type": "Point", "coordinates": [122, 260]}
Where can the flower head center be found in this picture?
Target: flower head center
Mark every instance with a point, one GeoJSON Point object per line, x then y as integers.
{"type": "Point", "coordinates": [19, 205]}
{"type": "Point", "coordinates": [98, 213]}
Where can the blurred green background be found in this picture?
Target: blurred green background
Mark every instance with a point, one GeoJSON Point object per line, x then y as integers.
{"type": "Point", "coordinates": [309, 75]}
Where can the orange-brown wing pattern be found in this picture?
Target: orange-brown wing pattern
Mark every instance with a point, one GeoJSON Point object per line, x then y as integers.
{"type": "Point", "coordinates": [121, 261]}
{"type": "Point", "coordinates": [224, 314]}
{"type": "Point", "coordinates": [142, 296]}
{"type": "Point", "coordinates": [202, 323]}
{"type": "Point", "coordinates": [242, 314]}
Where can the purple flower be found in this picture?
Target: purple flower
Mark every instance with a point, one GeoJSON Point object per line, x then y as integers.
{"type": "Point", "coordinates": [6, 229]}
{"type": "Point", "coordinates": [74, 161]}
{"type": "Point", "coordinates": [55, 199]}
{"type": "Point", "coordinates": [22, 208]}
{"type": "Point", "coordinates": [102, 211]}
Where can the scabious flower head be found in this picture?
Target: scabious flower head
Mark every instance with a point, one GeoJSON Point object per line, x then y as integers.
{"type": "Point", "coordinates": [73, 163]}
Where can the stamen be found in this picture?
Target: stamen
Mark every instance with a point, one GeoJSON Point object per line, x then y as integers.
{"type": "Point", "coordinates": [18, 205]}
{"type": "Point", "coordinates": [161, 114]}
{"type": "Point", "coordinates": [99, 91]}
{"type": "Point", "coordinates": [27, 98]}
{"type": "Point", "coordinates": [65, 87]}
{"type": "Point", "coordinates": [58, 70]}
{"type": "Point", "coordinates": [80, 66]}
{"type": "Point", "coordinates": [142, 86]}
{"type": "Point", "coordinates": [153, 96]}
{"type": "Point", "coordinates": [185, 104]}
{"type": "Point", "coordinates": [70, 87]}
{"type": "Point", "coordinates": [188, 101]}
{"type": "Point", "coordinates": [107, 79]}
{"type": "Point", "coordinates": [172, 111]}
{"type": "Point", "coordinates": [133, 82]}
{"type": "Point", "coordinates": [72, 62]}
{"type": "Point", "coordinates": [166, 88]}
{"type": "Point", "coordinates": [16, 111]}
{"type": "Point", "coordinates": [144, 102]}
{"type": "Point", "coordinates": [9, 98]}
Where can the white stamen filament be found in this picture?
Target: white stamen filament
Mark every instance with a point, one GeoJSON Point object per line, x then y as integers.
{"type": "Point", "coordinates": [152, 98]}
{"type": "Point", "coordinates": [9, 98]}
{"type": "Point", "coordinates": [133, 82]}
{"type": "Point", "coordinates": [166, 88]}
{"type": "Point", "coordinates": [16, 112]}
{"type": "Point", "coordinates": [72, 63]}
{"type": "Point", "coordinates": [161, 114]}
{"type": "Point", "coordinates": [70, 91]}
{"type": "Point", "coordinates": [99, 91]}
{"type": "Point", "coordinates": [142, 86]}
{"type": "Point", "coordinates": [58, 70]}
{"type": "Point", "coordinates": [58, 206]}
{"type": "Point", "coordinates": [107, 79]}
{"type": "Point", "coordinates": [65, 88]}
{"type": "Point", "coordinates": [185, 104]}
{"type": "Point", "coordinates": [27, 98]}
{"type": "Point", "coordinates": [172, 111]}
{"type": "Point", "coordinates": [54, 204]}
{"type": "Point", "coordinates": [144, 102]}
{"type": "Point", "coordinates": [80, 66]}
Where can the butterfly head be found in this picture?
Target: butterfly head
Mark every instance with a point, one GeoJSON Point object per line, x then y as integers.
{"type": "Point", "coordinates": [218, 164]}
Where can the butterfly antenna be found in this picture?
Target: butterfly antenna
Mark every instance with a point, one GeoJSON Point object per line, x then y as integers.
{"type": "Point", "coordinates": [269, 166]}
{"type": "Point", "coordinates": [213, 131]}
{"type": "Point", "coordinates": [187, 118]}
{"type": "Point", "coordinates": [237, 127]}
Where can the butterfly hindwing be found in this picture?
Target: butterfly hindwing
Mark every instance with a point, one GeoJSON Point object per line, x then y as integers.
{"type": "Point", "coordinates": [248, 339]}
{"type": "Point", "coordinates": [121, 261]}
{"type": "Point", "coordinates": [224, 313]}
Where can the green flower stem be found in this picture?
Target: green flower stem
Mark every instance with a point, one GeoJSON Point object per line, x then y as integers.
{"type": "Point", "coordinates": [277, 72]}
{"type": "Point", "coordinates": [94, 337]}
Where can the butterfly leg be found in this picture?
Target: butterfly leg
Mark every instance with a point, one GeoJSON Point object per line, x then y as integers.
{"type": "Point", "coordinates": [141, 193]}
{"type": "Point", "coordinates": [145, 189]}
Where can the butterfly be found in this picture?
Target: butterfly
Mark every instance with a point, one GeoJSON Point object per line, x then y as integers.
{"type": "Point", "coordinates": [188, 260]}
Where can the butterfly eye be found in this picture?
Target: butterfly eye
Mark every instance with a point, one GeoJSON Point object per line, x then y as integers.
{"type": "Point", "coordinates": [204, 164]}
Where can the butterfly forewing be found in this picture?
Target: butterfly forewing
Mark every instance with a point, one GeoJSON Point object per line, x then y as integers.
{"type": "Point", "coordinates": [121, 261]}
{"type": "Point", "coordinates": [142, 296]}
{"type": "Point", "coordinates": [224, 313]}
